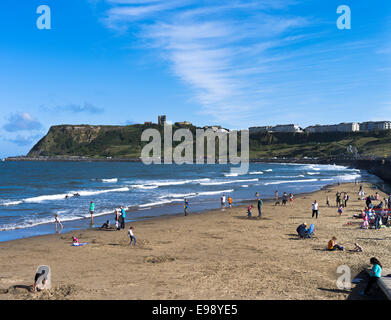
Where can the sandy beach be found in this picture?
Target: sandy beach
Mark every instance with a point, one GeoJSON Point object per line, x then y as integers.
{"type": "Point", "coordinates": [219, 254]}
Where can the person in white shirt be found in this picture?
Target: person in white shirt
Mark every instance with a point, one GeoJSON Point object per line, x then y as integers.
{"type": "Point", "coordinates": [223, 201]}
{"type": "Point", "coordinates": [315, 206]}
{"type": "Point", "coordinates": [131, 236]}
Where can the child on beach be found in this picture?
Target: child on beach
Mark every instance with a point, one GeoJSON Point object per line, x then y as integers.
{"type": "Point", "coordinates": [57, 222]}
{"type": "Point", "coordinates": [186, 206]}
{"type": "Point", "coordinates": [291, 198]}
{"type": "Point", "coordinates": [92, 209]}
{"type": "Point", "coordinates": [230, 201]}
{"type": "Point", "coordinates": [365, 224]}
{"type": "Point", "coordinates": [315, 206]}
{"type": "Point", "coordinates": [117, 219]}
{"type": "Point", "coordinates": [340, 210]}
{"type": "Point", "coordinates": [75, 240]}
{"type": "Point", "coordinates": [327, 201]}
{"type": "Point", "coordinates": [249, 211]}
{"type": "Point", "coordinates": [357, 248]}
{"type": "Point", "coordinates": [131, 236]}
{"type": "Point", "coordinates": [223, 201]}
{"type": "Point", "coordinates": [332, 245]}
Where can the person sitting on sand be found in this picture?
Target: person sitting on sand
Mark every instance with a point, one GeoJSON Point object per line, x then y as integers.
{"type": "Point", "coordinates": [106, 225]}
{"type": "Point", "coordinates": [302, 230]}
{"type": "Point", "coordinates": [249, 210]}
{"type": "Point", "coordinates": [357, 248]}
{"type": "Point", "coordinates": [75, 240]}
{"type": "Point", "coordinates": [374, 275]}
{"type": "Point", "coordinates": [44, 280]}
{"type": "Point", "coordinates": [332, 245]}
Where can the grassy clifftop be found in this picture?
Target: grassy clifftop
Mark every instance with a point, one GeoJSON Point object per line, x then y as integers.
{"type": "Point", "coordinates": [125, 142]}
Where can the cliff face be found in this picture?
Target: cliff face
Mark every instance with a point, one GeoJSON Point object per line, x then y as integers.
{"type": "Point", "coordinates": [125, 142]}
{"type": "Point", "coordinates": [91, 141]}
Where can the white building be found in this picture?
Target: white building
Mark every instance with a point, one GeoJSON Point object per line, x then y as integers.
{"type": "Point", "coordinates": [375, 125]}
{"type": "Point", "coordinates": [259, 129]}
{"type": "Point", "coordinates": [286, 128]}
{"type": "Point", "coordinates": [342, 127]}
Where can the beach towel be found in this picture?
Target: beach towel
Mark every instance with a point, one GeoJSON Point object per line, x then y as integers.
{"type": "Point", "coordinates": [46, 275]}
{"type": "Point", "coordinates": [79, 244]}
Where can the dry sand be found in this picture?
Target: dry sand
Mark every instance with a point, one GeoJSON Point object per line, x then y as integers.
{"type": "Point", "coordinates": [220, 254]}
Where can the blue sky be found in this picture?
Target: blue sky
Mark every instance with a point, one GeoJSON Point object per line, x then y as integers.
{"type": "Point", "coordinates": [234, 63]}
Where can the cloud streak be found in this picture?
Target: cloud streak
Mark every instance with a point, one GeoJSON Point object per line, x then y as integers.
{"type": "Point", "coordinates": [222, 51]}
{"type": "Point", "coordinates": [21, 121]}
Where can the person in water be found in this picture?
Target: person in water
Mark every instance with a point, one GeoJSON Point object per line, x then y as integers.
{"type": "Point", "coordinates": [92, 209]}
{"type": "Point", "coordinates": [58, 222]}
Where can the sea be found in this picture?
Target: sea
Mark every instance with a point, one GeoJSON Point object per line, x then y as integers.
{"type": "Point", "coordinates": [32, 192]}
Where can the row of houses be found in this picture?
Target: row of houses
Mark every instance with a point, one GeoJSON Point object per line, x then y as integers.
{"type": "Point", "coordinates": [341, 127]}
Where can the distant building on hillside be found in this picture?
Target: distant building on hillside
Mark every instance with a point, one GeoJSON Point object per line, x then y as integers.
{"type": "Point", "coordinates": [342, 127]}
{"type": "Point", "coordinates": [259, 129]}
{"type": "Point", "coordinates": [161, 120]}
{"type": "Point", "coordinates": [286, 128]}
{"type": "Point", "coordinates": [375, 125]}
{"type": "Point", "coordinates": [183, 123]}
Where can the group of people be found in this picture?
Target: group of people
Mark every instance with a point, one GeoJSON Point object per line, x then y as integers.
{"type": "Point", "coordinates": [284, 199]}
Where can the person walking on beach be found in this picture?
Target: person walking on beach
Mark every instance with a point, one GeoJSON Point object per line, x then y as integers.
{"type": "Point", "coordinates": [276, 195]}
{"type": "Point", "coordinates": [327, 201]}
{"type": "Point", "coordinates": [338, 198]}
{"type": "Point", "coordinates": [117, 218]}
{"type": "Point", "coordinates": [92, 209]}
{"type": "Point", "coordinates": [186, 206]}
{"type": "Point", "coordinates": [340, 210]}
{"type": "Point", "coordinates": [131, 236]}
{"type": "Point", "coordinates": [345, 199]}
{"type": "Point", "coordinates": [291, 198]}
{"type": "Point", "coordinates": [223, 201]}
{"type": "Point", "coordinates": [315, 206]}
{"type": "Point", "coordinates": [284, 198]}
{"type": "Point", "coordinates": [57, 222]}
{"type": "Point", "coordinates": [374, 275]}
{"type": "Point", "coordinates": [230, 201]}
{"type": "Point", "coordinates": [260, 204]}
{"type": "Point", "coordinates": [123, 215]}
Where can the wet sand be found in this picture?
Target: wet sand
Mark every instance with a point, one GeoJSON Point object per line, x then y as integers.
{"type": "Point", "coordinates": [219, 254]}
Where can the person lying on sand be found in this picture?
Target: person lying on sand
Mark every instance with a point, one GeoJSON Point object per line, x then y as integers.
{"type": "Point", "coordinates": [357, 248]}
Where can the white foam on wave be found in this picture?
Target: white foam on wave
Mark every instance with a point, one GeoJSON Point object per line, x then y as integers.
{"type": "Point", "coordinates": [163, 183]}
{"type": "Point", "coordinates": [290, 181]}
{"type": "Point", "coordinates": [255, 172]}
{"type": "Point", "coordinates": [231, 174]}
{"type": "Point", "coordinates": [268, 170]}
{"type": "Point", "coordinates": [313, 173]}
{"type": "Point", "coordinates": [30, 223]}
{"type": "Point", "coordinates": [112, 180]}
{"type": "Point", "coordinates": [215, 183]}
{"type": "Point", "coordinates": [61, 196]}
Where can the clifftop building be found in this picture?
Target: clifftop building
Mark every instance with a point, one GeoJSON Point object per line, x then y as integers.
{"type": "Point", "coordinates": [342, 127]}
{"type": "Point", "coordinates": [161, 120]}
{"type": "Point", "coordinates": [375, 125]}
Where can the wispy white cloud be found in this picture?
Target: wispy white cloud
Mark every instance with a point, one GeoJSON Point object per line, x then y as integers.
{"type": "Point", "coordinates": [220, 56]}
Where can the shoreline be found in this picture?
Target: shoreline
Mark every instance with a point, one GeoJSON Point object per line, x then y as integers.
{"type": "Point", "coordinates": [217, 254]}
